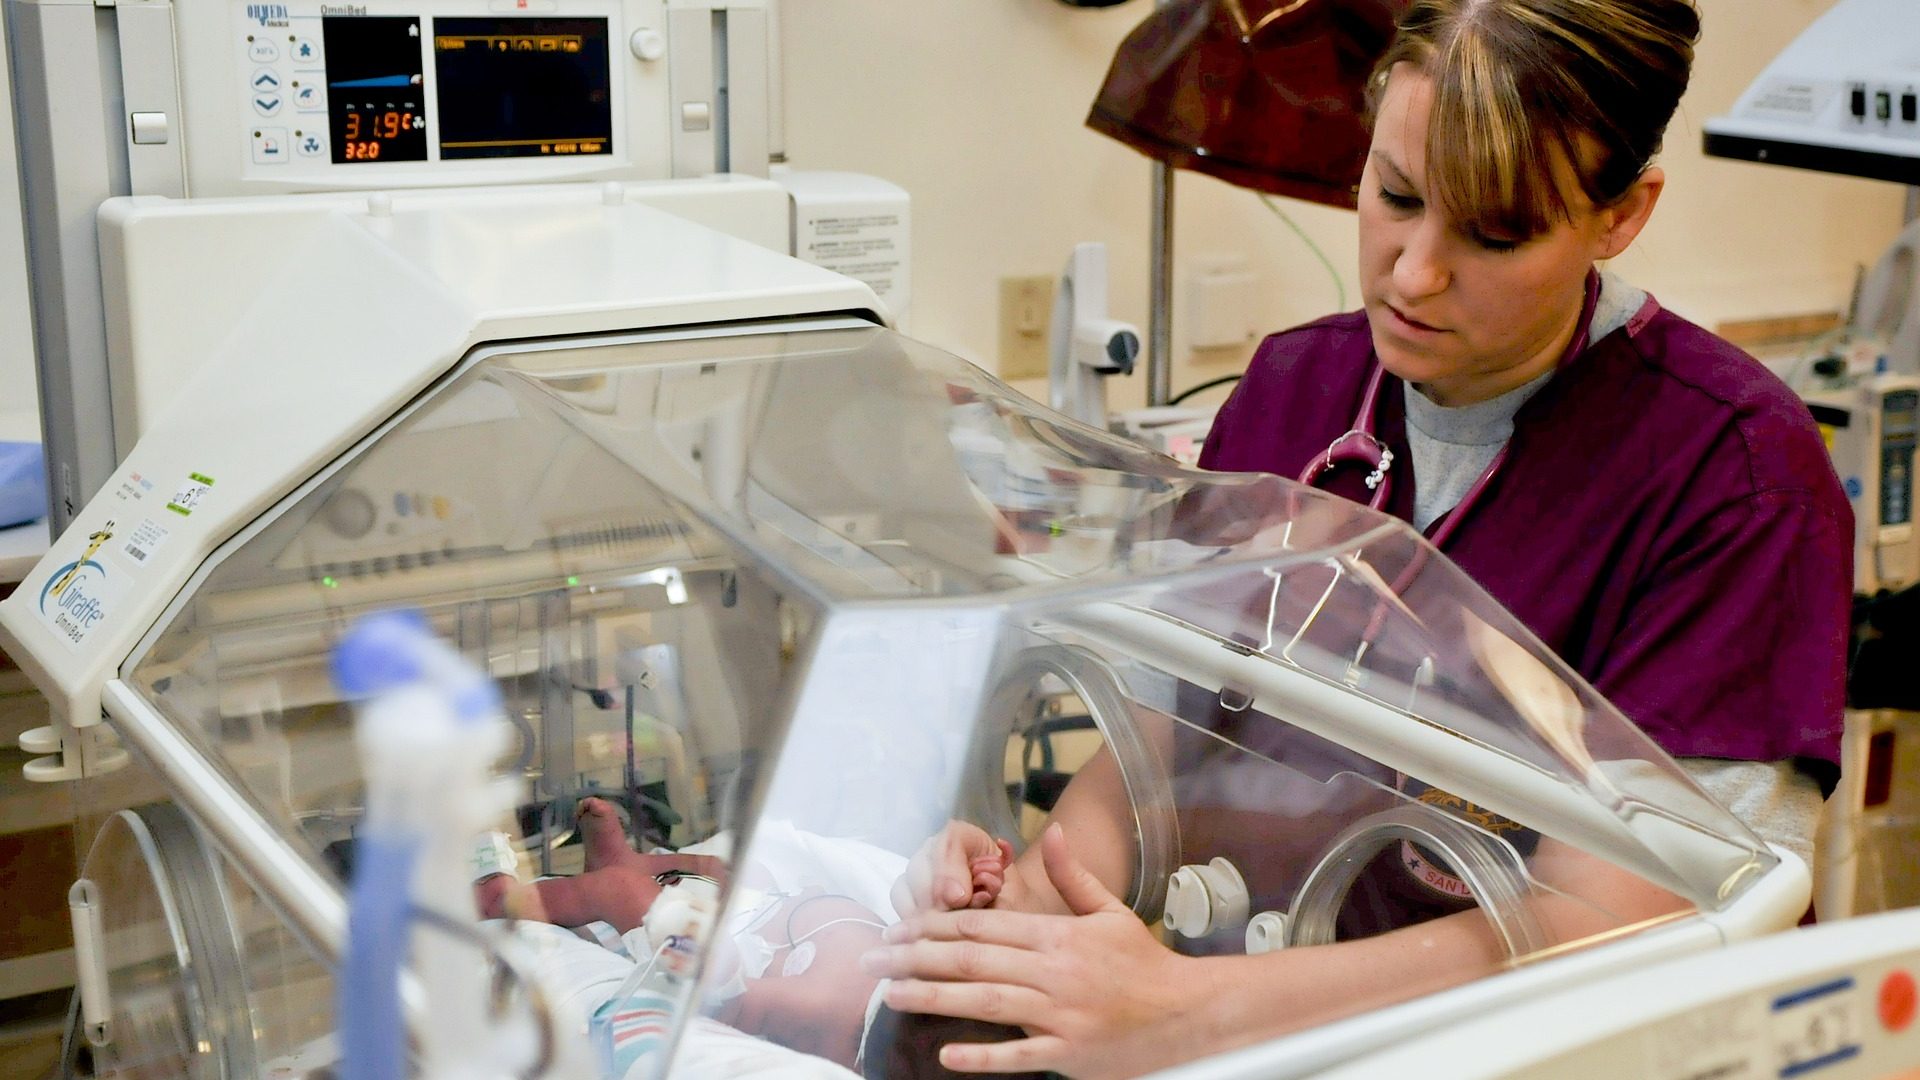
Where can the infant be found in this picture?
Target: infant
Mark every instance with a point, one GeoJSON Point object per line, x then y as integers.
{"type": "Point", "coordinates": [803, 913]}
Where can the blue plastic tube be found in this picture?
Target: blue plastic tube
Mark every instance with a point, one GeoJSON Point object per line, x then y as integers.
{"type": "Point", "coordinates": [368, 1013]}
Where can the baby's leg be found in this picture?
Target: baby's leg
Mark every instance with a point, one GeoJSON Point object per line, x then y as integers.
{"type": "Point", "coordinates": [617, 887]}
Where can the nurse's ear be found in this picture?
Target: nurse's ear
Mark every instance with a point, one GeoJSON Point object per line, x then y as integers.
{"type": "Point", "coordinates": [1621, 221]}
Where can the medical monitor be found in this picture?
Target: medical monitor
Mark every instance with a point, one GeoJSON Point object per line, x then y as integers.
{"type": "Point", "coordinates": [339, 94]}
{"type": "Point", "coordinates": [389, 94]}
{"type": "Point", "coordinates": [523, 87]}
{"type": "Point", "coordinates": [373, 88]}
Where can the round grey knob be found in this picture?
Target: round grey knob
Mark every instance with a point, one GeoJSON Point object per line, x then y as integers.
{"type": "Point", "coordinates": [350, 514]}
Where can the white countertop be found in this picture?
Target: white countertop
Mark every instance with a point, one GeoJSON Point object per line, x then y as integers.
{"type": "Point", "coordinates": [21, 547]}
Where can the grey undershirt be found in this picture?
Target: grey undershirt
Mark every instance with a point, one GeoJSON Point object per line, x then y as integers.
{"type": "Point", "coordinates": [1451, 450]}
{"type": "Point", "coordinates": [1452, 447]}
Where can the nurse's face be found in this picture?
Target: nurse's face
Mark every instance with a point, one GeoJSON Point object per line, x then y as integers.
{"type": "Point", "coordinates": [1465, 315]}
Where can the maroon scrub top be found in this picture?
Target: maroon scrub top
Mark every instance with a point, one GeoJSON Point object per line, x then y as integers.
{"type": "Point", "coordinates": [1666, 519]}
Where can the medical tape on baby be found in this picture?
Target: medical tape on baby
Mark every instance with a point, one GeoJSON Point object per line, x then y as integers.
{"type": "Point", "coordinates": [752, 909]}
{"type": "Point", "coordinates": [493, 854]}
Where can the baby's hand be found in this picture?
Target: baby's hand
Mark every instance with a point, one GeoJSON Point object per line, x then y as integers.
{"type": "Point", "coordinates": [960, 866]}
{"type": "Point", "coordinates": [989, 873]}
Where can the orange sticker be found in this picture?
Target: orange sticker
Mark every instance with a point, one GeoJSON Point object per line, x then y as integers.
{"type": "Point", "coordinates": [1897, 1001]}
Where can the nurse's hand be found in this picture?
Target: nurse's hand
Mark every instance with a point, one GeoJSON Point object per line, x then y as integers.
{"type": "Point", "coordinates": [1095, 993]}
{"type": "Point", "coordinates": [962, 866]}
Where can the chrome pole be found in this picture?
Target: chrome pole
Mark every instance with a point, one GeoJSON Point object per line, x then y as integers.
{"type": "Point", "coordinates": [1160, 285]}
{"type": "Point", "coordinates": [1160, 312]}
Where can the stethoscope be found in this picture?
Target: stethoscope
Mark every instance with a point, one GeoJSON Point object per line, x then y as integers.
{"type": "Point", "coordinates": [1358, 445]}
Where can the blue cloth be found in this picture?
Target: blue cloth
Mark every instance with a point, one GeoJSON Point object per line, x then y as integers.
{"type": "Point", "coordinates": [23, 483]}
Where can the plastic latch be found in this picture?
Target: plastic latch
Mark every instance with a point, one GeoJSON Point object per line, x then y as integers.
{"type": "Point", "coordinates": [1204, 898]}
{"type": "Point", "coordinates": [1188, 909]}
{"type": "Point", "coordinates": [1228, 892]}
{"type": "Point", "coordinates": [96, 1004]}
{"type": "Point", "coordinates": [1266, 933]}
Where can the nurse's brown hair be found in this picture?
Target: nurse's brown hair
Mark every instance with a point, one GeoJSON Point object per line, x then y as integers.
{"type": "Point", "coordinates": [1519, 85]}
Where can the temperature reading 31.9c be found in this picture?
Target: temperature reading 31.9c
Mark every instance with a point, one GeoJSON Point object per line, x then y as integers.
{"type": "Point", "coordinates": [375, 98]}
{"type": "Point", "coordinates": [364, 133]}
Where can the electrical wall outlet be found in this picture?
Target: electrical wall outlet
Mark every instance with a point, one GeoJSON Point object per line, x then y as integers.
{"type": "Point", "coordinates": [1026, 311]}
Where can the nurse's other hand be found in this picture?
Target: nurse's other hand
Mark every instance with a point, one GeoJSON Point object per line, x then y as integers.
{"type": "Point", "coordinates": [1096, 994]}
{"type": "Point", "coordinates": [961, 866]}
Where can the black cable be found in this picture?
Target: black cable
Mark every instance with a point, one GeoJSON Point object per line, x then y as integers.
{"type": "Point", "coordinates": [1208, 385]}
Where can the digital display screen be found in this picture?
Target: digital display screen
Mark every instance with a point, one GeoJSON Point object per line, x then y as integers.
{"type": "Point", "coordinates": [375, 99]}
{"type": "Point", "coordinates": [519, 86]}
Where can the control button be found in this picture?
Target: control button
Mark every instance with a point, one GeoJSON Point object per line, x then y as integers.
{"type": "Point", "coordinates": [151, 129]}
{"type": "Point", "coordinates": [265, 82]}
{"type": "Point", "coordinates": [648, 44]}
{"type": "Point", "coordinates": [269, 146]}
{"type": "Point", "coordinates": [303, 51]}
{"type": "Point", "coordinates": [350, 514]}
{"type": "Point", "coordinates": [266, 104]}
{"type": "Point", "coordinates": [1882, 106]}
{"type": "Point", "coordinates": [1910, 107]}
{"type": "Point", "coordinates": [1897, 1001]}
{"type": "Point", "coordinates": [309, 99]}
{"type": "Point", "coordinates": [696, 116]}
{"type": "Point", "coordinates": [308, 144]}
{"type": "Point", "coordinates": [262, 51]}
{"type": "Point", "coordinates": [1858, 106]}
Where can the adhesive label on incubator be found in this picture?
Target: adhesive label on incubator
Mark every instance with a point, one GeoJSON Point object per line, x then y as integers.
{"type": "Point", "coordinates": [146, 539]}
{"type": "Point", "coordinates": [133, 488]}
{"type": "Point", "coordinates": [1791, 100]}
{"type": "Point", "coordinates": [1722, 1041]}
{"type": "Point", "coordinates": [1817, 1026]}
{"type": "Point", "coordinates": [192, 490]}
{"type": "Point", "coordinates": [81, 596]}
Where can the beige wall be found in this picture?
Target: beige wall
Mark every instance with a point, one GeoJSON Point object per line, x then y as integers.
{"type": "Point", "coordinates": [976, 107]}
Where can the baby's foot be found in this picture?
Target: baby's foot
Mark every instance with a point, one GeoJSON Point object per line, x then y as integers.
{"type": "Point", "coordinates": [617, 887]}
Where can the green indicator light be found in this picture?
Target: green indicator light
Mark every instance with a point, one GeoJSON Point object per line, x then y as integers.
{"type": "Point", "coordinates": [573, 579]}
{"type": "Point", "coordinates": [329, 582]}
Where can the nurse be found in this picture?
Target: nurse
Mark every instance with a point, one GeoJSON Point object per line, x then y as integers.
{"type": "Point", "coordinates": [1653, 504]}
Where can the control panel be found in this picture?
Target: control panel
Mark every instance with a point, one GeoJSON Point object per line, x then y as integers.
{"type": "Point", "coordinates": [1843, 97]}
{"type": "Point", "coordinates": [1888, 107]}
{"type": "Point", "coordinates": [1855, 104]}
{"type": "Point", "coordinates": [241, 97]}
{"type": "Point", "coordinates": [330, 87]}
{"type": "Point", "coordinates": [1861, 104]}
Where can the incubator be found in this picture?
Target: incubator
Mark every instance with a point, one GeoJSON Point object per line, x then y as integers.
{"type": "Point", "coordinates": [760, 581]}
{"type": "Point", "coordinates": [793, 591]}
